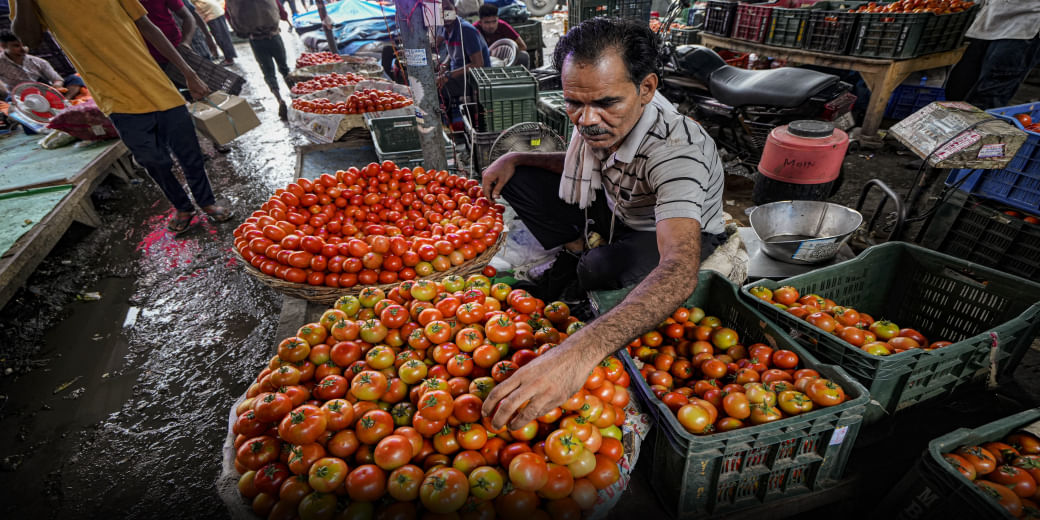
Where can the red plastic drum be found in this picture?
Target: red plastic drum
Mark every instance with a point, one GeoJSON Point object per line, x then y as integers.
{"type": "Point", "coordinates": [804, 152]}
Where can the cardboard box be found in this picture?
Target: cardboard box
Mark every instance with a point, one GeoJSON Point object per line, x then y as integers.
{"type": "Point", "coordinates": [223, 117]}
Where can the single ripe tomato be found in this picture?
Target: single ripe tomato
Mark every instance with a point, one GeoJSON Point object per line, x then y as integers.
{"type": "Point", "coordinates": [1024, 119]}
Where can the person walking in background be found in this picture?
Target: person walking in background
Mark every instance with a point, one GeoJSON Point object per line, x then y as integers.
{"type": "Point", "coordinates": [103, 38]}
{"type": "Point", "coordinates": [18, 66]}
{"type": "Point", "coordinates": [161, 13]}
{"type": "Point", "coordinates": [202, 41]}
{"type": "Point", "coordinates": [1005, 46]}
{"type": "Point", "coordinates": [212, 12]}
{"type": "Point", "coordinates": [258, 21]}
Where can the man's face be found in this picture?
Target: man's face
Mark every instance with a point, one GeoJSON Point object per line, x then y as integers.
{"type": "Point", "coordinates": [14, 49]}
{"type": "Point", "coordinates": [489, 24]}
{"type": "Point", "coordinates": [602, 101]}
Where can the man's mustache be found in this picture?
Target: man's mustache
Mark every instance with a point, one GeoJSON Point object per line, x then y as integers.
{"type": "Point", "coordinates": [592, 131]}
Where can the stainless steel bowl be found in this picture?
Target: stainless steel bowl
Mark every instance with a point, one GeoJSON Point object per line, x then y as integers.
{"type": "Point", "coordinates": [803, 231]}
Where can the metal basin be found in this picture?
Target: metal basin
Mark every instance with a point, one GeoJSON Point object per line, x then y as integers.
{"type": "Point", "coordinates": [803, 231]}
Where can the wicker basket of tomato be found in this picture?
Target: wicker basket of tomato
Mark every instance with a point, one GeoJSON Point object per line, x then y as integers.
{"type": "Point", "coordinates": [989, 316]}
{"type": "Point", "coordinates": [988, 472]}
{"type": "Point", "coordinates": [375, 411]}
{"type": "Point", "coordinates": [745, 415]}
{"type": "Point", "coordinates": [324, 238]}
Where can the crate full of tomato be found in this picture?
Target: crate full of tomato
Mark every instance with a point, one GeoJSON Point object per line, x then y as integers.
{"type": "Point", "coordinates": [909, 323]}
{"type": "Point", "coordinates": [987, 472]}
{"type": "Point", "coordinates": [745, 415]}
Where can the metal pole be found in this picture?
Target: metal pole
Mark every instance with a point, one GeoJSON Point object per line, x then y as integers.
{"type": "Point", "coordinates": [323, 14]}
{"type": "Point", "coordinates": [422, 77]}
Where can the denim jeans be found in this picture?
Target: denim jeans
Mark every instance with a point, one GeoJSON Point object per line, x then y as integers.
{"type": "Point", "coordinates": [995, 69]}
{"type": "Point", "coordinates": [151, 137]}
{"type": "Point", "coordinates": [218, 26]}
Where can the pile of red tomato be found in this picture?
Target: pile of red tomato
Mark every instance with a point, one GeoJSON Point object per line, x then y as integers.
{"type": "Point", "coordinates": [879, 338]}
{"type": "Point", "coordinates": [699, 369]}
{"type": "Point", "coordinates": [1007, 471]}
{"type": "Point", "coordinates": [915, 6]}
{"type": "Point", "coordinates": [368, 100]}
{"type": "Point", "coordinates": [327, 81]}
{"type": "Point", "coordinates": [317, 58]}
{"type": "Point", "coordinates": [374, 225]}
{"type": "Point", "coordinates": [379, 404]}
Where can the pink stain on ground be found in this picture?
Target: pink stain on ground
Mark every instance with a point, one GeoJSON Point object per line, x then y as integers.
{"type": "Point", "coordinates": [162, 247]}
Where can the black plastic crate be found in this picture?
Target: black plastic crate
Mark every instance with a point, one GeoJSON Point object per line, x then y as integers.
{"type": "Point", "coordinates": [531, 33]}
{"type": "Point", "coordinates": [719, 16]}
{"type": "Point", "coordinates": [395, 134]}
{"type": "Point", "coordinates": [552, 112]}
{"type": "Point", "coordinates": [685, 36]}
{"type": "Point", "coordinates": [632, 10]}
{"type": "Point", "coordinates": [787, 27]}
{"type": "Point", "coordinates": [978, 230]}
{"type": "Point", "coordinates": [831, 27]}
{"type": "Point", "coordinates": [214, 76]}
{"type": "Point", "coordinates": [580, 10]}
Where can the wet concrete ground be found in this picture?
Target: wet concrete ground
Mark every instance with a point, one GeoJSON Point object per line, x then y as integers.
{"type": "Point", "coordinates": [118, 407]}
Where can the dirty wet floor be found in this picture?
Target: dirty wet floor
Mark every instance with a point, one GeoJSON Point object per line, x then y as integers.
{"type": "Point", "coordinates": [117, 407]}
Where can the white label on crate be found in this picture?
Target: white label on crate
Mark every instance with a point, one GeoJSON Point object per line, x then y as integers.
{"type": "Point", "coordinates": [816, 249]}
{"type": "Point", "coordinates": [415, 57]}
{"type": "Point", "coordinates": [959, 143]}
{"type": "Point", "coordinates": [838, 436]}
{"type": "Point", "coordinates": [991, 151]}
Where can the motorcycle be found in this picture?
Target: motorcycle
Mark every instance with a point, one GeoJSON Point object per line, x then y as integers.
{"type": "Point", "coordinates": [740, 107]}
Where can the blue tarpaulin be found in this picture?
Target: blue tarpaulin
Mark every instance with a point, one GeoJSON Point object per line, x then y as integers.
{"type": "Point", "coordinates": [354, 23]}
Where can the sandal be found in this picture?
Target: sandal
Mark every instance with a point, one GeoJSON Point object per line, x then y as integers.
{"type": "Point", "coordinates": [219, 213]}
{"type": "Point", "coordinates": [180, 222]}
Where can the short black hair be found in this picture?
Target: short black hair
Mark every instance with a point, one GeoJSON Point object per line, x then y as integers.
{"type": "Point", "coordinates": [635, 43]}
{"type": "Point", "coordinates": [487, 10]}
{"type": "Point", "coordinates": [8, 37]}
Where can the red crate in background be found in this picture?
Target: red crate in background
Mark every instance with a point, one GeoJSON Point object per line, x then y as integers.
{"type": "Point", "coordinates": [752, 22]}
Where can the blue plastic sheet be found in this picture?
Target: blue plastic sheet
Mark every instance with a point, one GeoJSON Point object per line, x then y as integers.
{"type": "Point", "coordinates": [355, 23]}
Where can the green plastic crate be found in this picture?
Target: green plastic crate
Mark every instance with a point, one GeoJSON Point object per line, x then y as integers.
{"type": "Point", "coordinates": [933, 490]}
{"type": "Point", "coordinates": [908, 35]}
{"type": "Point", "coordinates": [943, 297]}
{"type": "Point", "coordinates": [695, 476]}
{"type": "Point", "coordinates": [413, 157]}
{"type": "Point", "coordinates": [531, 33]}
{"type": "Point", "coordinates": [395, 134]}
{"type": "Point", "coordinates": [831, 27]}
{"type": "Point", "coordinates": [505, 96]}
{"type": "Point", "coordinates": [552, 112]}
{"type": "Point", "coordinates": [787, 27]}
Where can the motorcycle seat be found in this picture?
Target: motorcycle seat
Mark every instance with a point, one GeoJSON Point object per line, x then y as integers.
{"type": "Point", "coordinates": [785, 87]}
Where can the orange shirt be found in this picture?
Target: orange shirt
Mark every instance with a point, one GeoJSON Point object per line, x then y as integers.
{"type": "Point", "coordinates": [103, 43]}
